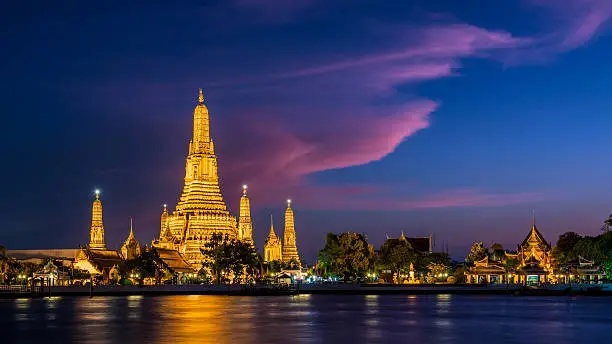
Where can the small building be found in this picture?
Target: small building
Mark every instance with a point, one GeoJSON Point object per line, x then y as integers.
{"type": "Point", "coordinates": [581, 270]}
{"type": "Point", "coordinates": [486, 271]}
{"type": "Point", "coordinates": [97, 261]}
{"type": "Point", "coordinates": [51, 275]}
{"type": "Point", "coordinates": [174, 262]}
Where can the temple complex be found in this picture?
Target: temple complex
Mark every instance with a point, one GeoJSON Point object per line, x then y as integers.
{"type": "Point", "coordinates": [290, 251]}
{"type": "Point", "coordinates": [245, 226]}
{"type": "Point", "coordinates": [273, 248]}
{"type": "Point", "coordinates": [131, 247]}
{"type": "Point", "coordinates": [201, 210]}
{"type": "Point", "coordinates": [532, 264]}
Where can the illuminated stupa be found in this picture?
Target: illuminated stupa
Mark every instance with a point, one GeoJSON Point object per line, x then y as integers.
{"type": "Point", "coordinates": [96, 231]}
{"type": "Point", "coordinates": [273, 248]}
{"type": "Point", "coordinates": [201, 210]}
{"type": "Point", "coordinates": [245, 226]}
{"type": "Point", "coordinates": [290, 251]}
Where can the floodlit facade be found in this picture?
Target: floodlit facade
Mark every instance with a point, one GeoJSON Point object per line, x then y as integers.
{"type": "Point", "coordinates": [201, 210]}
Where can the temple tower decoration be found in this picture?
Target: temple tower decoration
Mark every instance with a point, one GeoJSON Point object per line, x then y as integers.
{"type": "Point", "coordinates": [290, 251]}
{"type": "Point", "coordinates": [201, 210]}
{"type": "Point", "coordinates": [96, 231]}
{"type": "Point", "coordinates": [273, 247]}
{"type": "Point", "coordinates": [245, 225]}
{"type": "Point", "coordinates": [163, 221]}
{"type": "Point", "coordinates": [131, 247]}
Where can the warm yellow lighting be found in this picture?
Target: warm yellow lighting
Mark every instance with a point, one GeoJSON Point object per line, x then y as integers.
{"type": "Point", "coordinates": [97, 192]}
{"type": "Point", "coordinates": [509, 275]}
{"type": "Point", "coordinates": [201, 200]}
{"type": "Point", "coordinates": [289, 201]}
{"type": "Point", "coordinates": [244, 186]}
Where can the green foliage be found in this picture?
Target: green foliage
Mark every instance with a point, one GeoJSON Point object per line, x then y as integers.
{"type": "Point", "coordinates": [511, 263]}
{"type": "Point", "coordinates": [147, 265]}
{"type": "Point", "coordinates": [459, 274]}
{"type": "Point", "coordinates": [225, 257]}
{"type": "Point", "coordinates": [608, 269]}
{"type": "Point", "coordinates": [438, 258]}
{"type": "Point", "coordinates": [563, 250]}
{"type": "Point", "coordinates": [607, 226]}
{"type": "Point", "coordinates": [274, 267]}
{"type": "Point", "coordinates": [347, 255]}
{"type": "Point", "coordinates": [498, 253]}
{"type": "Point", "coordinates": [396, 255]}
{"type": "Point", "coordinates": [437, 269]}
{"type": "Point", "coordinates": [477, 252]}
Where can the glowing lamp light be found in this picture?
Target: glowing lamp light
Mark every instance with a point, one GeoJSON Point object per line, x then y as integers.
{"type": "Point", "coordinates": [97, 192]}
{"type": "Point", "coordinates": [289, 201]}
{"type": "Point", "coordinates": [244, 186]}
{"type": "Point", "coordinates": [165, 205]}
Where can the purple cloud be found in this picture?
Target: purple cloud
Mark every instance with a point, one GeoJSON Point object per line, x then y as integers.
{"type": "Point", "coordinates": [576, 21]}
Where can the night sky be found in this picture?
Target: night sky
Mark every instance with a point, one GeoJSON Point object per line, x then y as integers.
{"type": "Point", "coordinates": [449, 117]}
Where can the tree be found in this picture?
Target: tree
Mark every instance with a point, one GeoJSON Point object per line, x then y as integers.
{"type": "Point", "coordinates": [347, 255]}
{"type": "Point", "coordinates": [147, 265]}
{"type": "Point", "coordinates": [274, 266]}
{"type": "Point", "coordinates": [438, 258]}
{"type": "Point", "coordinates": [477, 252]}
{"type": "Point", "coordinates": [225, 257]}
{"type": "Point", "coordinates": [608, 269]}
{"type": "Point", "coordinates": [497, 252]}
{"type": "Point", "coordinates": [607, 224]}
{"type": "Point", "coordinates": [439, 271]}
{"type": "Point", "coordinates": [396, 255]}
{"type": "Point", "coordinates": [326, 258]}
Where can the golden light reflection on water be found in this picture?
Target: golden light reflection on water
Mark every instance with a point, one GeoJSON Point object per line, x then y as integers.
{"type": "Point", "coordinates": [93, 318]}
{"type": "Point", "coordinates": [372, 318]}
{"type": "Point", "coordinates": [22, 306]}
{"type": "Point", "coordinates": [203, 317]}
{"type": "Point", "coordinates": [134, 306]}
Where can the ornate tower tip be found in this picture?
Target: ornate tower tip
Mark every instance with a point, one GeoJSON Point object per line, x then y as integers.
{"type": "Point", "coordinates": [97, 193]}
{"type": "Point", "coordinates": [289, 202]}
{"type": "Point", "coordinates": [244, 189]}
{"type": "Point", "coordinates": [201, 97]}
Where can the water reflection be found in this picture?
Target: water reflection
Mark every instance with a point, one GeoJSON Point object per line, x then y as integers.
{"type": "Point", "coordinates": [306, 319]}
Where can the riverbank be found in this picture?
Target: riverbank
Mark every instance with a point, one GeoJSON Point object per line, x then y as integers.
{"type": "Point", "coordinates": [333, 289]}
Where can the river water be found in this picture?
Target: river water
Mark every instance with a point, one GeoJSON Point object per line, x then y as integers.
{"type": "Point", "coordinates": [346, 319]}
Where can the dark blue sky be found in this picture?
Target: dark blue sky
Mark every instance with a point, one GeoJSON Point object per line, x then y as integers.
{"type": "Point", "coordinates": [445, 117]}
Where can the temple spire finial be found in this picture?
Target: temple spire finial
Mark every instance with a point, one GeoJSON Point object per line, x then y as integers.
{"type": "Point", "coordinates": [244, 189]}
{"type": "Point", "coordinates": [131, 227]}
{"type": "Point", "coordinates": [532, 218]}
{"type": "Point", "coordinates": [201, 97]}
{"type": "Point", "coordinates": [272, 226]}
{"type": "Point", "coordinates": [97, 192]}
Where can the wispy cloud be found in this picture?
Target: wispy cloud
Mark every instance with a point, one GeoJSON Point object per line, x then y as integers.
{"type": "Point", "coordinates": [575, 22]}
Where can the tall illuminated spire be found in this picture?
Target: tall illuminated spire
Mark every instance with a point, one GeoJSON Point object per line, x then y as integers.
{"type": "Point", "coordinates": [201, 191]}
{"type": "Point", "coordinates": [96, 231]}
{"type": "Point", "coordinates": [245, 225]}
{"type": "Point", "coordinates": [289, 242]}
{"type": "Point", "coordinates": [163, 221]}
{"type": "Point", "coordinates": [201, 210]}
